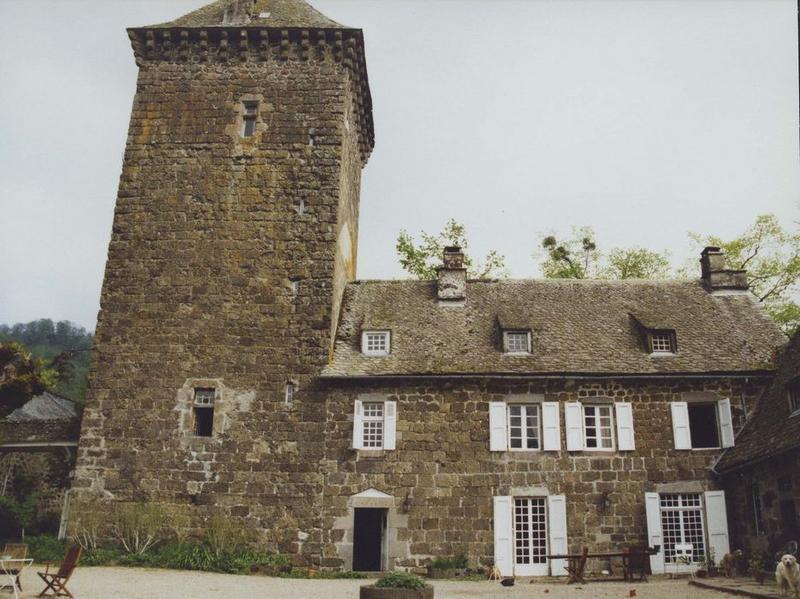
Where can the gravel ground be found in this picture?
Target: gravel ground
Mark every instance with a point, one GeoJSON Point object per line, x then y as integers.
{"type": "Point", "coordinates": [140, 583]}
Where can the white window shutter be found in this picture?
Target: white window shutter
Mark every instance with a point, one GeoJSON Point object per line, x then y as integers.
{"type": "Point", "coordinates": [573, 419]}
{"type": "Point", "coordinates": [654, 537]}
{"type": "Point", "coordinates": [725, 422]}
{"type": "Point", "coordinates": [624, 416]}
{"type": "Point", "coordinates": [503, 536]}
{"type": "Point", "coordinates": [557, 527]}
{"type": "Point", "coordinates": [717, 523]}
{"type": "Point", "coordinates": [358, 425]}
{"type": "Point", "coordinates": [551, 426]}
{"type": "Point", "coordinates": [389, 424]}
{"type": "Point", "coordinates": [680, 425]}
{"type": "Point", "coordinates": [497, 426]}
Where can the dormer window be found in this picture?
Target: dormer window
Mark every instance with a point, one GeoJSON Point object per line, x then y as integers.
{"type": "Point", "coordinates": [794, 396]}
{"type": "Point", "coordinates": [517, 342]}
{"type": "Point", "coordinates": [661, 342]}
{"type": "Point", "coordinates": [375, 343]}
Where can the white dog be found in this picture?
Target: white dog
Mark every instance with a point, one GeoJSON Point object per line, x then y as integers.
{"type": "Point", "coordinates": [787, 575]}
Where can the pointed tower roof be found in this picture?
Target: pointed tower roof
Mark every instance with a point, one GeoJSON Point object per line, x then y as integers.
{"type": "Point", "coordinates": [279, 14]}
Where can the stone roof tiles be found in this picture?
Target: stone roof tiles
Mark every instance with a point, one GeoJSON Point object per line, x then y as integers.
{"type": "Point", "coordinates": [256, 13]}
{"type": "Point", "coordinates": [771, 430]}
{"type": "Point", "coordinates": [46, 406]}
{"type": "Point", "coordinates": [578, 326]}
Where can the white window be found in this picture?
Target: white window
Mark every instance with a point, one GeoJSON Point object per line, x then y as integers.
{"type": "Point", "coordinates": [702, 424]}
{"type": "Point", "coordinates": [682, 524]}
{"type": "Point", "coordinates": [662, 342]}
{"type": "Point", "coordinates": [527, 426]}
{"type": "Point", "coordinates": [374, 424]}
{"type": "Point", "coordinates": [289, 398]}
{"type": "Point", "coordinates": [517, 342]}
{"type": "Point", "coordinates": [523, 427]}
{"type": "Point", "coordinates": [375, 343]}
{"type": "Point", "coordinates": [794, 397]}
{"type": "Point", "coordinates": [597, 427]}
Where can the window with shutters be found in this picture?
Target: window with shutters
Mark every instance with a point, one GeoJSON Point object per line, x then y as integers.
{"type": "Point", "coordinates": [203, 411]}
{"type": "Point", "coordinates": [372, 422]}
{"type": "Point", "coordinates": [682, 523]}
{"type": "Point", "coordinates": [524, 425]}
{"type": "Point", "coordinates": [598, 427]}
{"type": "Point", "coordinates": [375, 343]}
{"type": "Point", "coordinates": [704, 425]}
{"type": "Point", "coordinates": [794, 397]}
{"type": "Point", "coordinates": [517, 342]}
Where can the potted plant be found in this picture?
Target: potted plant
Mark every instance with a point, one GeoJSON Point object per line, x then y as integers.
{"type": "Point", "coordinates": [397, 585]}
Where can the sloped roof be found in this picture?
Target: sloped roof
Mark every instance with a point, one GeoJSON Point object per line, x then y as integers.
{"type": "Point", "coordinates": [578, 326]}
{"type": "Point", "coordinates": [771, 430]}
{"type": "Point", "coordinates": [46, 406]}
{"type": "Point", "coordinates": [277, 14]}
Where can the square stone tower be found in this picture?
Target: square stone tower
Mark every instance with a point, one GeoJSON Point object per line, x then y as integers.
{"type": "Point", "coordinates": [234, 235]}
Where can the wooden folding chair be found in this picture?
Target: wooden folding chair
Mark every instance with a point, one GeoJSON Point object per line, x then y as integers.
{"type": "Point", "coordinates": [16, 551]}
{"type": "Point", "coordinates": [58, 582]}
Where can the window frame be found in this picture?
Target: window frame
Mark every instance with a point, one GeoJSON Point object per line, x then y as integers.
{"type": "Point", "coordinates": [611, 426]}
{"type": "Point", "coordinates": [506, 345]}
{"type": "Point", "coordinates": [365, 419]}
{"type": "Point", "coordinates": [250, 117]}
{"type": "Point", "coordinates": [715, 404]}
{"type": "Point", "coordinates": [662, 333]}
{"type": "Point", "coordinates": [524, 406]}
{"type": "Point", "coordinates": [206, 405]}
{"type": "Point", "coordinates": [289, 392]}
{"type": "Point", "coordinates": [793, 396]}
{"type": "Point", "coordinates": [380, 352]}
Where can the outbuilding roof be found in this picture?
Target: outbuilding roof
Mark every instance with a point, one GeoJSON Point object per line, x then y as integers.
{"type": "Point", "coordinates": [771, 430]}
{"type": "Point", "coordinates": [46, 406]}
{"type": "Point", "coordinates": [577, 327]}
{"type": "Point", "coordinates": [256, 13]}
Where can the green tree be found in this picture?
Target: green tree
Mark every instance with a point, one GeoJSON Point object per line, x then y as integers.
{"type": "Point", "coordinates": [22, 376]}
{"type": "Point", "coordinates": [422, 259]}
{"type": "Point", "coordinates": [573, 258]}
{"type": "Point", "coordinates": [771, 256]}
{"type": "Point", "coordinates": [635, 263]}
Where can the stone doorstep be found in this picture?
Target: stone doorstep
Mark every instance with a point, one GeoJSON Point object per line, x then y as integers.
{"type": "Point", "coordinates": [742, 587]}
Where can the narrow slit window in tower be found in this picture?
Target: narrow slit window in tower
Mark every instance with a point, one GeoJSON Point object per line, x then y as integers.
{"type": "Point", "coordinates": [204, 412]}
{"type": "Point", "coordinates": [249, 116]}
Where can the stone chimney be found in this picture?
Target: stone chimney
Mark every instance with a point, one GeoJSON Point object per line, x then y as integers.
{"type": "Point", "coordinates": [452, 280]}
{"type": "Point", "coordinates": [718, 278]}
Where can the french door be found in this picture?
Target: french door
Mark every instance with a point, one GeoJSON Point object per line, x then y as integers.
{"type": "Point", "coordinates": [530, 536]}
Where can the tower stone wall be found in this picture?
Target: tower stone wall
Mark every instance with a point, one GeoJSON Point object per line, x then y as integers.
{"type": "Point", "coordinates": [227, 261]}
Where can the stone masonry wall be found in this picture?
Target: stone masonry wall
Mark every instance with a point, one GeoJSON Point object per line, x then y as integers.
{"type": "Point", "coordinates": [443, 476]}
{"type": "Point", "coordinates": [225, 257]}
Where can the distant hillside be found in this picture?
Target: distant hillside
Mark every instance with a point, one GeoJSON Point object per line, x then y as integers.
{"type": "Point", "coordinates": [46, 339]}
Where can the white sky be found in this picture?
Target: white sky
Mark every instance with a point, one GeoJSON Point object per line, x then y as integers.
{"type": "Point", "coordinates": [645, 119]}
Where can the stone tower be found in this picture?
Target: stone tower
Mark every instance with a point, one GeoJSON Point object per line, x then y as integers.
{"type": "Point", "coordinates": [234, 235]}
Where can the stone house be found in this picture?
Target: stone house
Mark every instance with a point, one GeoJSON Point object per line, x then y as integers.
{"type": "Point", "coordinates": [241, 370]}
{"type": "Point", "coordinates": [761, 473]}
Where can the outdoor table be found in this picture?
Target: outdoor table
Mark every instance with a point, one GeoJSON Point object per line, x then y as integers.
{"type": "Point", "coordinates": [576, 563]}
{"type": "Point", "coordinates": [13, 567]}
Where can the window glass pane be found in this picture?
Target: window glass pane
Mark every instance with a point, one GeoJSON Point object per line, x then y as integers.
{"type": "Point", "coordinates": [373, 425]}
{"type": "Point", "coordinates": [682, 523]}
{"type": "Point", "coordinates": [377, 342]}
{"type": "Point", "coordinates": [203, 421]}
{"type": "Point", "coordinates": [204, 397]}
{"type": "Point", "coordinates": [523, 426]}
{"type": "Point", "coordinates": [517, 342]}
{"type": "Point", "coordinates": [661, 342]}
{"type": "Point", "coordinates": [703, 425]}
{"type": "Point", "coordinates": [249, 127]}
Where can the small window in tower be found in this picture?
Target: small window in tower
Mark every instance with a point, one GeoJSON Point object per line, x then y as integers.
{"type": "Point", "coordinates": [289, 393]}
{"type": "Point", "coordinates": [250, 115]}
{"type": "Point", "coordinates": [204, 412]}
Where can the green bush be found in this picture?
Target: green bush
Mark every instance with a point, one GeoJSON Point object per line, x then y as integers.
{"type": "Point", "coordinates": [46, 548]}
{"type": "Point", "coordinates": [101, 557]}
{"type": "Point", "coordinates": [446, 563]}
{"type": "Point", "coordinates": [400, 580]}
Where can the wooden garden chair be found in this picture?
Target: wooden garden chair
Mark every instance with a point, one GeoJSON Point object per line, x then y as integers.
{"type": "Point", "coordinates": [15, 551]}
{"type": "Point", "coordinates": [58, 582]}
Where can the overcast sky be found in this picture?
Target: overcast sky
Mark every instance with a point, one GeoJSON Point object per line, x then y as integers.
{"type": "Point", "coordinates": [645, 119]}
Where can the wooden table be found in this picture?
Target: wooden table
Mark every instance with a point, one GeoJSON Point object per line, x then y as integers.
{"type": "Point", "coordinates": [576, 563]}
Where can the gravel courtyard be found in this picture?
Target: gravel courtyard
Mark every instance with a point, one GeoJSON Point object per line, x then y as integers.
{"type": "Point", "coordinates": [135, 583]}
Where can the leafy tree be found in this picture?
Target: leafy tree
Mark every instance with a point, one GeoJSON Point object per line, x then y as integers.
{"type": "Point", "coordinates": [22, 512]}
{"type": "Point", "coordinates": [771, 256]}
{"type": "Point", "coordinates": [22, 376]}
{"type": "Point", "coordinates": [422, 260]}
{"type": "Point", "coordinates": [574, 258]}
{"type": "Point", "coordinates": [635, 263]}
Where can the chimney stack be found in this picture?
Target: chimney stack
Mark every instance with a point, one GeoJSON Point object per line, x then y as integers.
{"type": "Point", "coordinates": [452, 280]}
{"type": "Point", "coordinates": [718, 278]}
